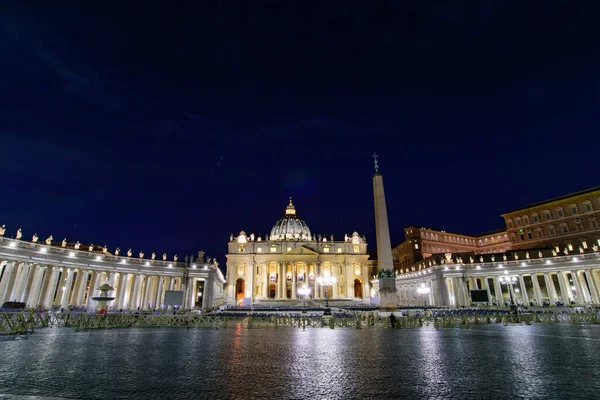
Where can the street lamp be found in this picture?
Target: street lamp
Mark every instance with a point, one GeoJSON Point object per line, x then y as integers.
{"type": "Point", "coordinates": [509, 281]}
{"type": "Point", "coordinates": [423, 290]}
{"type": "Point", "coordinates": [304, 291]}
{"type": "Point", "coordinates": [326, 281]}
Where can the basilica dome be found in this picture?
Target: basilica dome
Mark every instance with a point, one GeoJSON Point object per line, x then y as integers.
{"type": "Point", "coordinates": [290, 227]}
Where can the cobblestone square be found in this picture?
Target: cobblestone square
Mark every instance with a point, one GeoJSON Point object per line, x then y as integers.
{"type": "Point", "coordinates": [481, 362]}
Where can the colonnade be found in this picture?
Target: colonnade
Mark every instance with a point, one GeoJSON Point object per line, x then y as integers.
{"type": "Point", "coordinates": [46, 286]}
{"type": "Point", "coordinates": [547, 281]}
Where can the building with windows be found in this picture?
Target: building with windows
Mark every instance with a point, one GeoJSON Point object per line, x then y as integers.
{"type": "Point", "coordinates": [287, 263]}
{"type": "Point", "coordinates": [548, 254]}
{"type": "Point", "coordinates": [567, 222]}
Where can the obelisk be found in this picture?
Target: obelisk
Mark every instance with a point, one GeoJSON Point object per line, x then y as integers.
{"type": "Point", "coordinates": [387, 284]}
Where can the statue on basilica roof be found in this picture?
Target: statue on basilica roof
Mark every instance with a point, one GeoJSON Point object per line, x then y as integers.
{"type": "Point", "coordinates": [77, 245]}
{"type": "Point", "coordinates": [117, 251]}
{"type": "Point", "coordinates": [141, 254]}
{"type": "Point", "coordinates": [153, 256]}
{"type": "Point", "coordinates": [175, 258]}
{"type": "Point", "coordinates": [19, 234]}
{"type": "Point", "coordinates": [91, 247]}
{"type": "Point", "coordinates": [129, 253]}
{"type": "Point", "coordinates": [35, 238]}
{"type": "Point", "coordinates": [200, 256]}
{"type": "Point", "coordinates": [49, 240]}
{"type": "Point", "coordinates": [63, 243]}
{"type": "Point", "coordinates": [164, 256]}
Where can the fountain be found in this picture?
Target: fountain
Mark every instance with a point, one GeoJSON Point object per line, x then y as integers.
{"type": "Point", "coordinates": [104, 298]}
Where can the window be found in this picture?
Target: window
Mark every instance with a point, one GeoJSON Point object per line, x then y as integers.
{"type": "Point", "coordinates": [570, 246]}
{"type": "Point", "coordinates": [341, 272]}
{"type": "Point", "coordinates": [593, 223]}
{"type": "Point", "coordinates": [258, 270]}
{"type": "Point", "coordinates": [540, 233]}
{"type": "Point", "coordinates": [560, 212]}
{"type": "Point", "coordinates": [588, 206]}
{"type": "Point", "coordinates": [518, 221]}
{"type": "Point", "coordinates": [522, 236]}
{"type": "Point", "coordinates": [529, 235]}
{"type": "Point", "coordinates": [242, 248]}
{"type": "Point", "coordinates": [573, 209]}
{"type": "Point", "coordinates": [416, 245]}
{"type": "Point", "coordinates": [289, 249]}
{"type": "Point", "coordinates": [564, 228]}
{"type": "Point", "coordinates": [526, 220]}
{"type": "Point", "coordinates": [326, 249]}
{"type": "Point", "coordinates": [578, 225]}
{"type": "Point", "coordinates": [547, 215]}
{"type": "Point", "coordinates": [259, 249]}
{"type": "Point", "coordinates": [356, 248]}
{"type": "Point", "coordinates": [551, 230]}
{"type": "Point", "coordinates": [584, 244]}
{"type": "Point", "coordinates": [273, 249]}
{"type": "Point", "coordinates": [535, 218]}
{"type": "Point", "coordinates": [339, 250]}
{"type": "Point", "coordinates": [509, 223]}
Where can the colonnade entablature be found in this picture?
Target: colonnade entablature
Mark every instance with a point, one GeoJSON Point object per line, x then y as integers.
{"type": "Point", "coordinates": [18, 250]}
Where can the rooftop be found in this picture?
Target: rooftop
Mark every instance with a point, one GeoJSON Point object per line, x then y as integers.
{"type": "Point", "coordinates": [552, 200]}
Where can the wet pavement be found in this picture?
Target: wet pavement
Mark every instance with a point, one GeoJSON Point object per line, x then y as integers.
{"type": "Point", "coordinates": [480, 362]}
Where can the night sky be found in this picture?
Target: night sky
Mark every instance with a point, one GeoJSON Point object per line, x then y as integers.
{"type": "Point", "coordinates": [165, 127]}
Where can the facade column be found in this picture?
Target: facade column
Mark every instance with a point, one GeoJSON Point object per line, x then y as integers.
{"type": "Point", "coordinates": [550, 288]}
{"type": "Point", "coordinates": [583, 286]}
{"type": "Point", "coordinates": [66, 292]}
{"type": "Point", "coordinates": [8, 278]}
{"type": "Point", "coordinates": [171, 283]}
{"type": "Point", "coordinates": [498, 289]}
{"type": "Point", "coordinates": [45, 285]}
{"type": "Point", "coordinates": [36, 287]}
{"type": "Point", "coordinates": [50, 292]}
{"type": "Point", "coordinates": [294, 280]}
{"type": "Point", "coordinates": [524, 295]}
{"type": "Point", "coordinates": [593, 290]}
{"type": "Point", "coordinates": [89, 305]}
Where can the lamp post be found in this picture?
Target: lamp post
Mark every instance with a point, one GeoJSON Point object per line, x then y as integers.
{"type": "Point", "coordinates": [509, 281]}
{"type": "Point", "coordinates": [304, 291]}
{"type": "Point", "coordinates": [423, 290]}
{"type": "Point", "coordinates": [326, 281]}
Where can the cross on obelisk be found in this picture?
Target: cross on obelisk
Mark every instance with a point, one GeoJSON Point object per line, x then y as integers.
{"type": "Point", "coordinates": [376, 165]}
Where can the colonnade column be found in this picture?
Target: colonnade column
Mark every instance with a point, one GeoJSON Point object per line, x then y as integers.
{"type": "Point", "coordinates": [64, 302]}
{"type": "Point", "coordinates": [8, 278]}
{"type": "Point", "coordinates": [498, 290]}
{"type": "Point", "coordinates": [550, 288]}
{"type": "Point", "coordinates": [524, 295]}
{"type": "Point", "coordinates": [159, 291]}
{"type": "Point", "coordinates": [592, 285]}
{"type": "Point", "coordinates": [21, 280]}
{"type": "Point", "coordinates": [146, 299]}
{"type": "Point", "coordinates": [565, 290]}
{"type": "Point", "coordinates": [133, 300]}
{"type": "Point", "coordinates": [536, 289]}
{"type": "Point", "coordinates": [486, 285]}
{"type": "Point", "coordinates": [578, 290]}
{"type": "Point", "coordinates": [580, 276]}
{"type": "Point", "coordinates": [52, 284]}
{"type": "Point", "coordinates": [36, 287]}
{"type": "Point", "coordinates": [82, 287]}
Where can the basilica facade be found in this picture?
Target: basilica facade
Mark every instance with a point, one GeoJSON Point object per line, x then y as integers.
{"type": "Point", "coordinates": [293, 264]}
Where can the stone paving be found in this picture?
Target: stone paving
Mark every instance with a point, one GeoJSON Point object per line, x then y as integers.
{"type": "Point", "coordinates": [482, 362]}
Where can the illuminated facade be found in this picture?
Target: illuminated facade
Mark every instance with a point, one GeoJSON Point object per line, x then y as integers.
{"type": "Point", "coordinates": [62, 275]}
{"type": "Point", "coordinates": [286, 264]}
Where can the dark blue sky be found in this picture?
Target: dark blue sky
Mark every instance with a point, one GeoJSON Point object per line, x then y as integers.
{"type": "Point", "coordinates": [165, 127]}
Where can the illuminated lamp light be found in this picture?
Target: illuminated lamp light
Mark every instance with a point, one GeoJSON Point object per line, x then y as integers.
{"type": "Point", "coordinates": [12, 244]}
{"type": "Point", "coordinates": [43, 250]}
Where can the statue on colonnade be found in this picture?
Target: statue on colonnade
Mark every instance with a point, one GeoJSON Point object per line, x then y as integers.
{"type": "Point", "coordinates": [49, 240]}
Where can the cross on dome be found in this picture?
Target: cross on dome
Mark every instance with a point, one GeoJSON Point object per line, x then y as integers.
{"type": "Point", "coordinates": [290, 210]}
